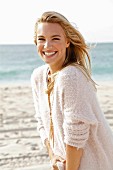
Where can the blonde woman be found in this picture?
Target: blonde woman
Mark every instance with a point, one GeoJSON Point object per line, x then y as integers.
{"type": "Point", "coordinates": [70, 121]}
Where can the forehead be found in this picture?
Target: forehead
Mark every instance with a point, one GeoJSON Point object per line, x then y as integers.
{"type": "Point", "coordinates": [50, 28]}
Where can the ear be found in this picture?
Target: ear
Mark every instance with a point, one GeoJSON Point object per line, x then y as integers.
{"type": "Point", "coordinates": [67, 43]}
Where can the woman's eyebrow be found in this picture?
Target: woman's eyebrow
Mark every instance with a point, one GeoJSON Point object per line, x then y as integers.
{"type": "Point", "coordinates": [40, 36]}
{"type": "Point", "coordinates": [55, 36]}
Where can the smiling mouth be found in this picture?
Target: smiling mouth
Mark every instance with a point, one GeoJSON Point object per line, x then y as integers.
{"type": "Point", "coordinates": [49, 53]}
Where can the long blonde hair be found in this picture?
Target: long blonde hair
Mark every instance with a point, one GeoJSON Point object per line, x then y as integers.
{"type": "Point", "coordinates": [77, 52]}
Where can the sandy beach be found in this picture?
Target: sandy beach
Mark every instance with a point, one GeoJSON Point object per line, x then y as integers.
{"type": "Point", "coordinates": [20, 144]}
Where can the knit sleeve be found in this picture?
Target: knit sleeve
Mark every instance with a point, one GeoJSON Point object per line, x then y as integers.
{"type": "Point", "coordinates": [76, 133]}
{"type": "Point", "coordinates": [40, 126]}
{"type": "Point", "coordinates": [78, 115]}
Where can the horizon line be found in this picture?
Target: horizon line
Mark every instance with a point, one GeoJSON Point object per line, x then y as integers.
{"type": "Point", "coordinates": [96, 42]}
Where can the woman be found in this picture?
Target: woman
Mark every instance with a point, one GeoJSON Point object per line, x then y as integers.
{"type": "Point", "coordinates": [70, 121]}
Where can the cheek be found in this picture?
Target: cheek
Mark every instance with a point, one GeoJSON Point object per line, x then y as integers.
{"type": "Point", "coordinates": [62, 47]}
{"type": "Point", "coordinates": [39, 48]}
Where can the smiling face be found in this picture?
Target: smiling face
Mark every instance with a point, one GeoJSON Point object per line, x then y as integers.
{"type": "Point", "coordinates": [52, 44]}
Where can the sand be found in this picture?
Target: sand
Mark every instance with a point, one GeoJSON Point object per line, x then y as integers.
{"type": "Point", "coordinates": [20, 144]}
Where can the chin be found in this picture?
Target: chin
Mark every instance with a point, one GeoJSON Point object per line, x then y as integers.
{"type": "Point", "coordinates": [50, 62]}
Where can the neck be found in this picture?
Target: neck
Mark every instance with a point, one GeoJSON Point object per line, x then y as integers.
{"type": "Point", "coordinates": [54, 69]}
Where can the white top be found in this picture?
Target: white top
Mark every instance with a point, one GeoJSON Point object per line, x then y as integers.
{"type": "Point", "coordinates": [77, 118]}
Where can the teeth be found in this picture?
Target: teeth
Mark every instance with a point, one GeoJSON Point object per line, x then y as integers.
{"type": "Point", "coordinates": [49, 53]}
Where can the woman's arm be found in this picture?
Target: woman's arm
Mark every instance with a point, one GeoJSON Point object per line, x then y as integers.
{"type": "Point", "coordinates": [73, 157]}
{"type": "Point", "coordinates": [40, 126]}
{"type": "Point", "coordinates": [54, 158]}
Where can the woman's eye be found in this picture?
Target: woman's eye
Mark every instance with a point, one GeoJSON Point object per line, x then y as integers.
{"type": "Point", "coordinates": [41, 39]}
{"type": "Point", "coordinates": [56, 39]}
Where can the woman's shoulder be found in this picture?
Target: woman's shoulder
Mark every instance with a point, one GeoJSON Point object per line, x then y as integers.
{"type": "Point", "coordinates": [73, 73]}
{"type": "Point", "coordinates": [69, 71]}
{"type": "Point", "coordinates": [76, 75]}
{"type": "Point", "coordinates": [67, 75]}
{"type": "Point", "coordinates": [38, 71]}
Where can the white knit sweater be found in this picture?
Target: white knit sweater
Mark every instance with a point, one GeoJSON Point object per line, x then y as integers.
{"type": "Point", "coordinates": [77, 117]}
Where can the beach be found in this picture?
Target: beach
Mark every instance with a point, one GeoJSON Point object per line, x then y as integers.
{"type": "Point", "coordinates": [20, 143]}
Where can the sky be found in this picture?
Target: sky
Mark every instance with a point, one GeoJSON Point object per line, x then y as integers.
{"type": "Point", "coordinates": [94, 18]}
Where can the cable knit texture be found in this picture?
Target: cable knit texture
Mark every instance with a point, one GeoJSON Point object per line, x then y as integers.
{"type": "Point", "coordinates": [77, 118]}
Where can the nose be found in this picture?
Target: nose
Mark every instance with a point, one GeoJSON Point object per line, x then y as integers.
{"type": "Point", "coordinates": [47, 44]}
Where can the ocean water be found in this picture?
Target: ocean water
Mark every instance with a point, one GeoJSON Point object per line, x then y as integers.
{"type": "Point", "coordinates": [18, 61]}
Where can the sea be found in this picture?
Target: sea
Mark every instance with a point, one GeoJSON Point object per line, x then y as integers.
{"type": "Point", "coordinates": [17, 62]}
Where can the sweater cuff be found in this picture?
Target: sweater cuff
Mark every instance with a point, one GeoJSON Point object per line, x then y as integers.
{"type": "Point", "coordinates": [76, 134]}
